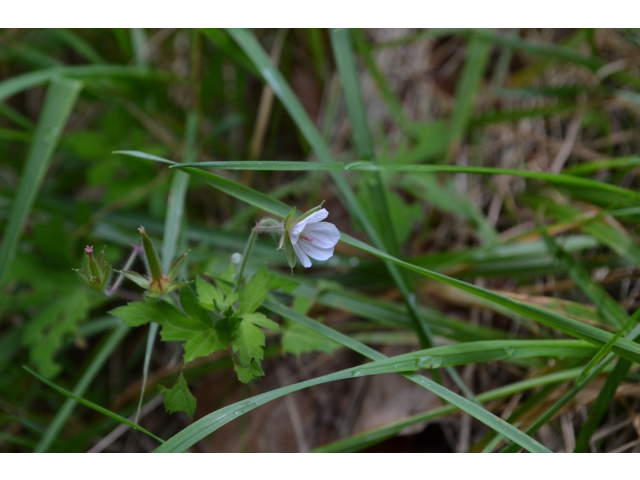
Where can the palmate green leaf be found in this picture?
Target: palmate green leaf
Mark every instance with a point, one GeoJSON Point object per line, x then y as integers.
{"type": "Point", "coordinates": [178, 398]}
{"type": "Point", "coordinates": [200, 340]}
{"type": "Point", "coordinates": [209, 296]}
{"type": "Point", "coordinates": [572, 327]}
{"type": "Point", "coordinates": [248, 344]}
{"type": "Point", "coordinates": [253, 293]}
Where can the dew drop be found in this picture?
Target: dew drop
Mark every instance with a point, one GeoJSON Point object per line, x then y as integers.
{"type": "Point", "coordinates": [236, 258]}
{"type": "Point", "coordinates": [357, 373]}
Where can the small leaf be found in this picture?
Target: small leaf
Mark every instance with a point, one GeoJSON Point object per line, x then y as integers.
{"type": "Point", "coordinates": [229, 324]}
{"type": "Point", "coordinates": [199, 339]}
{"type": "Point", "coordinates": [254, 292]}
{"type": "Point", "coordinates": [252, 372]}
{"type": "Point", "coordinates": [261, 320]}
{"type": "Point", "coordinates": [209, 296]}
{"type": "Point", "coordinates": [192, 307]}
{"type": "Point", "coordinates": [179, 398]}
{"type": "Point", "coordinates": [248, 342]}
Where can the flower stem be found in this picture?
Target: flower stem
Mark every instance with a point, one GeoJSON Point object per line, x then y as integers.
{"type": "Point", "coordinates": [245, 257]}
{"type": "Point", "coordinates": [136, 250]}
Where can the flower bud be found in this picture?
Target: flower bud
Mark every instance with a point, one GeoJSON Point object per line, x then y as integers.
{"type": "Point", "coordinates": [158, 284]}
{"type": "Point", "coordinates": [95, 272]}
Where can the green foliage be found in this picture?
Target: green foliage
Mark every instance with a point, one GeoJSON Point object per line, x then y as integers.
{"type": "Point", "coordinates": [178, 398]}
{"type": "Point", "coordinates": [47, 332]}
{"type": "Point", "coordinates": [211, 321]}
{"type": "Point", "coordinates": [495, 207]}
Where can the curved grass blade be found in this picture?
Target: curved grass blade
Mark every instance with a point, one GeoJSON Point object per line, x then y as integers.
{"type": "Point", "coordinates": [59, 101]}
{"type": "Point", "coordinates": [467, 88]}
{"type": "Point", "coordinates": [401, 363]}
{"type": "Point", "coordinates": [23, 82]}
{"type": "Point", "coordinates": [602, 404]}
{"type": "Point", "coordinates": [79, 44]}
{"type": "Point", "coordinates": [623, 347]}
{"type": "Point", "coordinates": [555, 408]}
{"type": "Point", "coordinates": [87, 377]}
{"type": "Point", "coordinates": [613, 313]}
{"type": "Point", "coordinates": [365, 439]}
{"type": "Point", "coordinates": [92, 405]}
{"type": "Point", "coordinates": [361, 166]}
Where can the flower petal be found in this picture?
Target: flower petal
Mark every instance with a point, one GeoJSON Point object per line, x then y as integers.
{"type": "Point", "coordinates": [314, 251]}
{"type": "Point", "coordinates": [322, 234]}
{"type": "Point", "coordinates": [306, 263]}
{"type": "Point", "coordinates": [316, 217]}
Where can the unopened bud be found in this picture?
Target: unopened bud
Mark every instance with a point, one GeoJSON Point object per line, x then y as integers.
{"type": "Point", "coordinates": [95, 272]}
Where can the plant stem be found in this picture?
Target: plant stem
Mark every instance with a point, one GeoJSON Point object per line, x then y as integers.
{"type": "Point", "coordinates": [136, 250]}
{"type": "Point", "coordinates": [245, 257]}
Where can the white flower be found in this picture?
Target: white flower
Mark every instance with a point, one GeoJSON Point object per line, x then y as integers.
{"type": "Point", "coordinates": [311, 237]}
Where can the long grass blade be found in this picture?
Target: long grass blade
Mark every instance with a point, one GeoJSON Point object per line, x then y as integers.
{"type": "Point", "coordinates": [402, 363]}
{"type": "Point", "coordinates": [553, 178]}
{"type": "Point", "coordinates": [90, 373]}
{"type": "Point", "coordinates": [61, 97]}
{"type": "Point", "coordinates": [97, 408]}
{"type": "Point", "coordinates": [365, 439]}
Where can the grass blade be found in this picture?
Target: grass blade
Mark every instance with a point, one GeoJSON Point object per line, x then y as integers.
{"type": "Point", "coordinates": [60, 99]}
{"type": "Point", "coordinates": [98, 408]}
{"type": "Point", "coordinates": [207, 425]}
{"type": "Point", "coordinates": [467, 89]}
{"type": "Point", "coordinates": [90, 373]}
{"type": "Point", "coordinates": [23, 82]}
{"type": "Point", "coordinates": [365, 439]}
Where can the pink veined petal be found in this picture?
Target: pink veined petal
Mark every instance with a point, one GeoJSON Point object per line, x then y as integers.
{"type": "Point", "coordinates": [313, 251]}
{"type": "Point", "coordinates": [306, 263]}
{"type": "Point", "coordinates": [322, 234]}
{"type": "Point", "coordinates": [316, 217]}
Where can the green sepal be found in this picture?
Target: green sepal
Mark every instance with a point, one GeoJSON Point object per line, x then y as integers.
{"type": "Point", "coordinates": [176, 286]}
{"type": "Point", "coordinates": [289, 252]}
{"type": "Point", "coordinates": [288, 220]}
{"type": "Point", "coordinates": [136, 278]}
{"type": "Point", "coordinates": [94, 267]}
{"type": "Point", "coordinates": [308, 212]}
{"type": "Point", "coordinates": [175, 267]}
{"type": "Point", "coordinates": [153, 261]}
